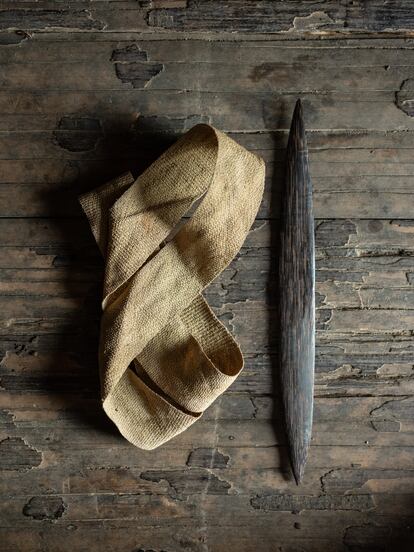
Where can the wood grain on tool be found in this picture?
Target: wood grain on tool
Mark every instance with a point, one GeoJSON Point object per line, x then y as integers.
{"type": "Point", "coordinates": [297, 297]}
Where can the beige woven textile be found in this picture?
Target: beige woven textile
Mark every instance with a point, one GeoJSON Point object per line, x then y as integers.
{"type": "Point", "coordinates": [163, 355]}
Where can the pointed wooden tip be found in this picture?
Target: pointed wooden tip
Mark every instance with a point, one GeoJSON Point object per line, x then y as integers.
{"type": "Point", "coordinates": [299, 445]}
{"type": "Point", "coordinates": [298, 472]}
{"type": "Point", "coordinates": [297, 135]}
{"type": "Point", "coordinates": [298, 108]}
{"type": "Point", "coordinates": [297, 117]}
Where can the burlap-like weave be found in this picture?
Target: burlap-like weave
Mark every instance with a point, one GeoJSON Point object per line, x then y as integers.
{"type": "Point", "coordinates": [163, 355]}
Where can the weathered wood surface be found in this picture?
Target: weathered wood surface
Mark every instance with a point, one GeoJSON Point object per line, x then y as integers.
{"type": "Point", "coordinates": [265, 16]}
{"type": "Point", "coordinates": [91, 89]}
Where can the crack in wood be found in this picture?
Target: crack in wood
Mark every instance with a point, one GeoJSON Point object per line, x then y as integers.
{"type": "Point", "coordinates": [148, 550]}
{"type": "Point", "coordinates": [395, 407]}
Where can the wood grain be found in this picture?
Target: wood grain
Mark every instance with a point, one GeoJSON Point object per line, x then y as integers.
{"type": "Point", "coordinates": [91, 89]}
{"type": "Point", "coordinates": [297, 297]}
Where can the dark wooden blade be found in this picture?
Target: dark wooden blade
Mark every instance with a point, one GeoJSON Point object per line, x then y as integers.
{"type": "Point", "coordinates": [297, 297]}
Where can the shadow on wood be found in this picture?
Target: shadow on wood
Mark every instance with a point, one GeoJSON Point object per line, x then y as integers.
{"type": "Point", "coordinates": [273, 287]}
{"type": "Point", "coordinates": [74, 345]}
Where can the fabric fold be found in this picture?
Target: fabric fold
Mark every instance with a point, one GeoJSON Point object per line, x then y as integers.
{"type": "Point", "coordinates": [164, 357]}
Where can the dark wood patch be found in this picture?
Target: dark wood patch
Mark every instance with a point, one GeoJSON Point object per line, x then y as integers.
{"type": "Point", "coordinates": [208, 458]}
{"type": "Point", "coordinates": [404, 97]}
{"type": "Point", "coordinates": [369, 537]}
{"type": "Point", "coordinates": [12, 38]}
{"type": "Point", "coordinates": [188, 482]}
{"type": "Point", "coordinates": [45, 508]}
{"type": "Point", "coordinates": [132, 66]}
{"type": "Point", "coordinates": [16, 454]}
{"type": "Point", "coordinates": [298, 503]}
{"type": "Point", "coordinates": [78, 134]}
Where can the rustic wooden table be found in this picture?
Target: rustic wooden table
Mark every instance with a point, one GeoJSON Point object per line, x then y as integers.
{"type": "Point", "coordinates": [90, 89]}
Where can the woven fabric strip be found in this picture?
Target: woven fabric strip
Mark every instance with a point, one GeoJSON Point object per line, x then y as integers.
{"type": "Point", "coordinates": [163, 355]}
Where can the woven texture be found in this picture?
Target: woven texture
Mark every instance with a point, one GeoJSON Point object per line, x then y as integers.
{"type": "Point", "coordinates": [163, 355]}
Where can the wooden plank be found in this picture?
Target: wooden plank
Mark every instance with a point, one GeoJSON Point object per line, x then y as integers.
{"type": "Point", "coordinates": [140, 73]}
{"type": "Point", "coordinates": [230, 111]}
{"type": "Point", "coordinates": [352, 178]}
{"type": "Point", "coordinates": [270, 49]}
{"type": "Point", "coordinates": [346, 368]}
{"type": "Point", "coordinates": [359, 237]}
{"type": "Point", "coordinates": [130, 535]}
{"type": "Point", "coordinates": [143, 508]}
{"type": "Point", "coordinates": [319, 18]}
{"type": "Point", "coordinates": [244, 434]}
{"type": "Point", "coordinates": [363, 150]}
{"type": "Point", "coordinates": [351, 268]}
{"type": "Point", "coordinates": [379, 197]}
{"type": "Point", "coordinates": [80, 17]}
{"type": "Point", "coordinates": [270, 17]}
{"type": "Point", "coordinates": [108, 480]}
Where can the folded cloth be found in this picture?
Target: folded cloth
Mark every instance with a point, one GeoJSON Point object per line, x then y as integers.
{"type": "Point", "coordinates": [163, 355]}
